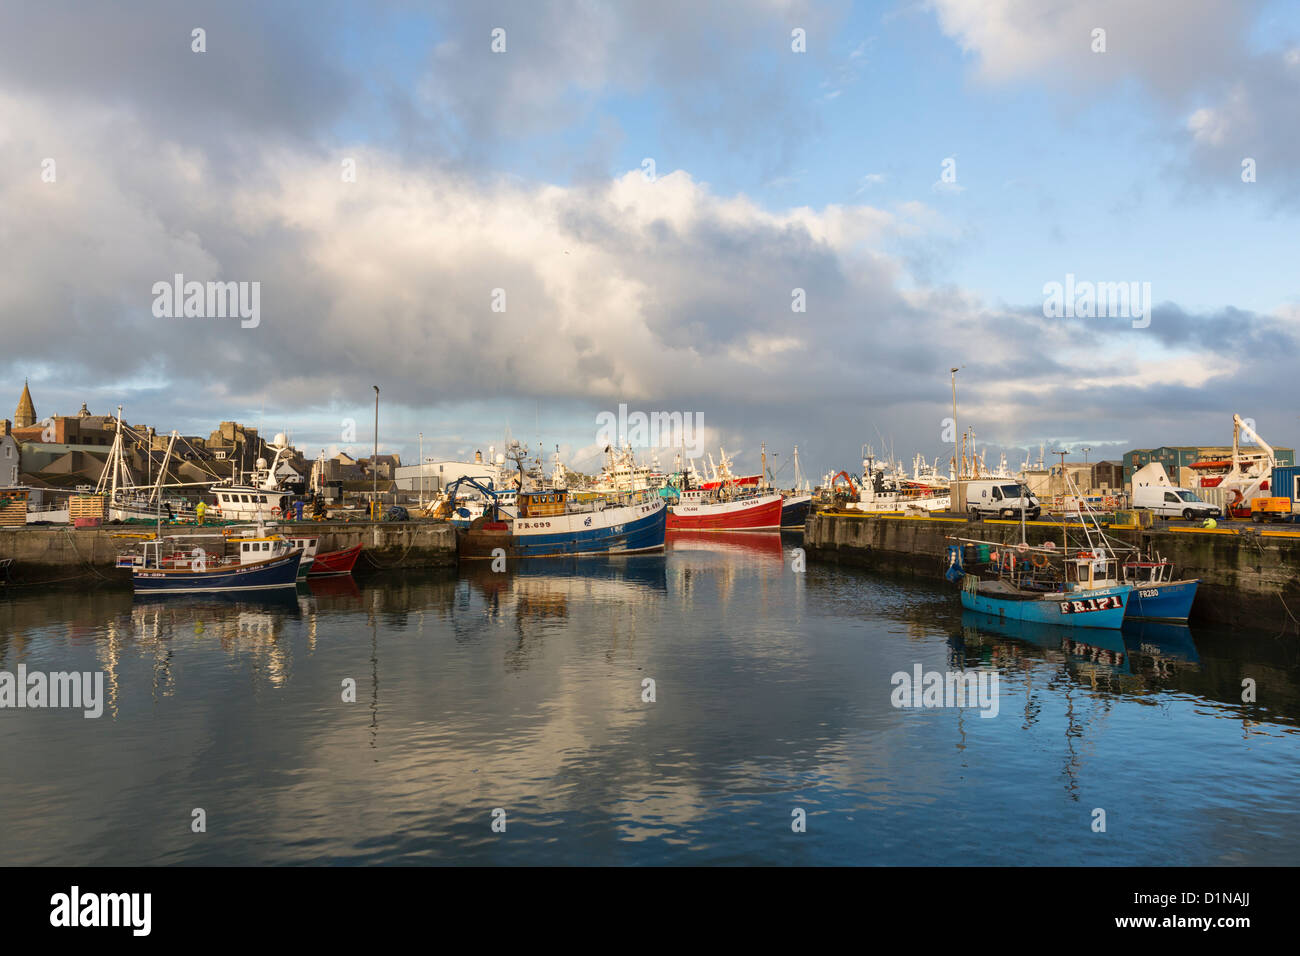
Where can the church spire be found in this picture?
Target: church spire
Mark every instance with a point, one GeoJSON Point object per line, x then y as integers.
{"type": "Point", "coordinates": [25, 414]}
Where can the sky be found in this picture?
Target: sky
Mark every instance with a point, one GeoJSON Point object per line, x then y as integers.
{"type": "Point", "coordinates": [787, 220]}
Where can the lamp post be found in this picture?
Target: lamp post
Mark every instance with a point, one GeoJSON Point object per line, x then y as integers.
{"type": "Point", "coordinates": [374, 461]}
{"type": "Point", "coordinates": [1087, 469]}
{"type": "Point", "coordinates": [956, 463]}
{"type": "Point", "coordinates": [421, 469]}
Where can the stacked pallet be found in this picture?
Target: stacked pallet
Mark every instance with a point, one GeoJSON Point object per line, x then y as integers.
{"type": "Point", "coordinates": [87, 506]}
{"type": "Point", "coordinates": [13, 507]}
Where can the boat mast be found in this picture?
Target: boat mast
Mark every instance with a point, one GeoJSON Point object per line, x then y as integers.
{"type": "Point", "coordinates": [157, 488]}
{"type": "Point", "coordinates": [1065, 541]}
{"type": "Point", "coordinates": [117, 453]}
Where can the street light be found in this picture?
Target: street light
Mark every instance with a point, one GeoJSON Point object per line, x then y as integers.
{"type": "Point", "coordinates": [374, 461]}
{"type": "Point", "coordinates": [421, 469]}
{"type": "Point", "coordinates": [955, 462]}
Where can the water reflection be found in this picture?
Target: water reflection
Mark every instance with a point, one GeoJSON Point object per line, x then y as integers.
{"type": "Point", "coordinates": [524, 689]}
{"type": "Point", "coordinates": [1143, 659]}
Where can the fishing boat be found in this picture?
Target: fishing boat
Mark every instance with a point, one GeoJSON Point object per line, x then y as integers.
{"type": "Point", "coordinates": [551, 524]}
{"type": "Point", "coordinates": [797, 501]}
{"type": "Point", "coordinates": [163, 566]}
{"type": "Point", "coordinates": [622, 473]}
{"type": "Point", "coordinates": [317, 563]}
{"type": "Point", "coordinates": [721, 476]}
{"type": "Point", "coordinates": [259, 499]}
{"type": "Point", "coordinates": [333, 563]}
{"type": "Point", "coordinates": [886, 488]}
{"type": "Point", "coordinates": [794, 509]}
{"type": "Point", "coordinates": [725, 510]}
{"type": "Point", "coordinates": [1157, 594]}
{"type": "Point", "coordinates": [1045, 585]}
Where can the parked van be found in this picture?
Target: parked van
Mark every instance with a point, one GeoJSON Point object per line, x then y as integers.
{"type": "Point", "coordinates": [1170, 502]}
{"type": "Point", "coordinates": [1002, 497]}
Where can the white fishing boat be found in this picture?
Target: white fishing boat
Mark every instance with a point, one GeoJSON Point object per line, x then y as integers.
{"type": "Point", "coordinates": [259, 499]}
{"type": "Point", "coordinates": [887, 488]}
{"type": "Point", "coordinates": [622, 473]}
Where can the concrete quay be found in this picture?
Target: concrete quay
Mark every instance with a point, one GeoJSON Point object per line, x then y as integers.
{"type": "Point", "coordinates": [1249, 577]}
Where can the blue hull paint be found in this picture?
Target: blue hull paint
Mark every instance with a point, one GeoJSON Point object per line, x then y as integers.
{"type": "Point", "coordinates": [281, 573]}
{"type": "Point", "coordinates": [1071, 612]}
{"type": "Point", "coordinates": [1166, 601]}
{"type": "Point", "coordinates": [796, 514]}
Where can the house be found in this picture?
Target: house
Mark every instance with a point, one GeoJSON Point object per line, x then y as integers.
{"type": "Point", "coordinates": [10, 455]}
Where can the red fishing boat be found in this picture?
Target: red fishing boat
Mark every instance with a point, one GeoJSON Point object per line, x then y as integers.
{"type": "Point", "coordinates": [707, 511]}
{"type": "Point", "coordinates": [334, 562]}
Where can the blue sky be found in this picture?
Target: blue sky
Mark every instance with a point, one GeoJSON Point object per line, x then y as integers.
{"type": "Point", "coordinates": [819, 170]}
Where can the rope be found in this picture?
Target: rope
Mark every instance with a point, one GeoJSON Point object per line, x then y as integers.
{"type": "Point", "coordinates": [386, 567]}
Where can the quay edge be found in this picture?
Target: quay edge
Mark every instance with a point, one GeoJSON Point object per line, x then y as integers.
{"type": "Point", "coordinates": [1248, 579]}
{"type": "Point", "coordinates": [54, 554]}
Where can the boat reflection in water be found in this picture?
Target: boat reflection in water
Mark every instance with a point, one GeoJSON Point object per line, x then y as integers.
{"type": "Point", "coordinates": [1098, 648]}
{"type": "Point", "coordinates": [251, 627]}
{"type": "Point", "coordinates": [543, 587]}
{"type": "Point", "coordinates": [338, 586]}
{"type": "Point", "coordinates": [1161, 640]}
{"type": "Point", "coordinates": [749, 544]}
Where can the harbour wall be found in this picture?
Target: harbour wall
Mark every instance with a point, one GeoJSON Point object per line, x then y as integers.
{"type": "Point", "coordinates": [55, 554]}
{"type": "Point", "coordinates": [1249, 578]}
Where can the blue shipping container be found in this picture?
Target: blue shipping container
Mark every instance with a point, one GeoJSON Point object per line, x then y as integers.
{"type": "Point", "coordinates": [1284, 484]}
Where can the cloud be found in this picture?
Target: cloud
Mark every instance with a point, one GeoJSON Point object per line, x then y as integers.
{"type": "Point", "coordinates": [670, 294]}
{"type": "Point", "coordinates": [1223, 98]}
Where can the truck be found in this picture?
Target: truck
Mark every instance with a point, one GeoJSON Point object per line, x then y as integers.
{"type": "Point", "coordinates": [1003, 497]}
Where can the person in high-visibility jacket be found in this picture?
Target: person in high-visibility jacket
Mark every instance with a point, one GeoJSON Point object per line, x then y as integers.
{"type": "Point", "coordinates": [200, 511]}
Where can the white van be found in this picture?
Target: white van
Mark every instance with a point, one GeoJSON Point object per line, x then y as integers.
{"type": "Point", "coordinates": [1170, 502]}
{"type": "Point", "coordinates": [1004, 498]}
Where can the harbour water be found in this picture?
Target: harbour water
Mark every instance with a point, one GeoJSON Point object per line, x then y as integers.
{"type": "Point", "coordinates": [526, 692]}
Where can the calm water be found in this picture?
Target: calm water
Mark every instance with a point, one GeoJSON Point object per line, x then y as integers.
{"type": "Point", "coordinates": [523, 691]}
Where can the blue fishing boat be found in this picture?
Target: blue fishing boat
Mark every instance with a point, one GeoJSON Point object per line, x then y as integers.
{"type": "Point", "coordinates": [261, 563]}
{"type": "Point", "coordinates": [1043, 585]}
{"type": "Point", "coordinates": [549, 524]}
{"type": "Point", "coordinates": [1157, 595]}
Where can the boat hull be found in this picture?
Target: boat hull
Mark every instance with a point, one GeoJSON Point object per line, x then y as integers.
{"type": "Point", "coordinates": [274, 573]}
{"type": "Point", "coordinates": [1163, 601]}
{"type": "Point", "coordinates": [335, 562]}
{"type": "Point", "coordinates": [623, 529]}
{"type": "Point", "coordinates": [1102, 607]}
{"type": "Point", "coordinates": [744, 514]}
{"type": "Point", "coordinates": [794, 511]}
